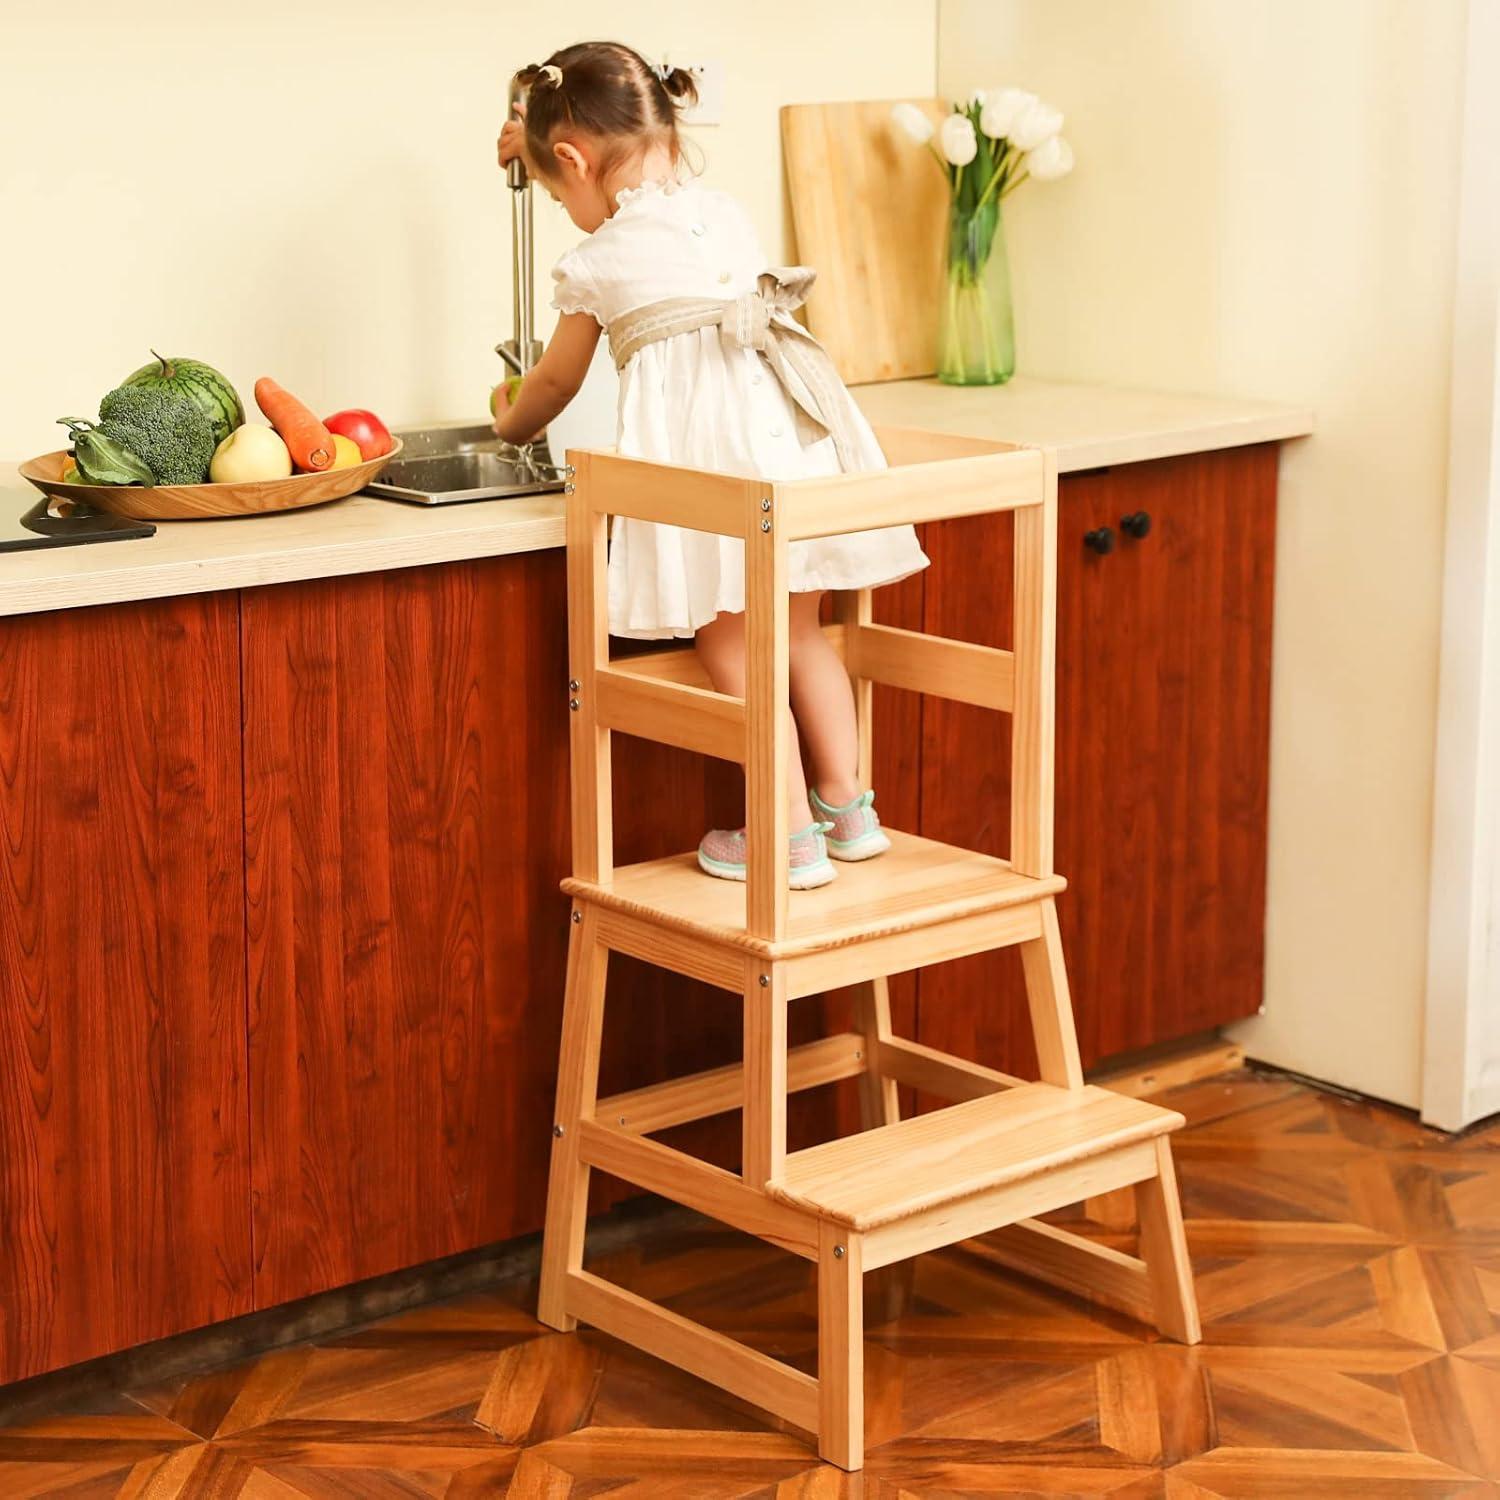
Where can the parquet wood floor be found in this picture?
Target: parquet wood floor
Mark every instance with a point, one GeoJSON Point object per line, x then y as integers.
{"type": "Point", "coordinates": [1348, 1266]}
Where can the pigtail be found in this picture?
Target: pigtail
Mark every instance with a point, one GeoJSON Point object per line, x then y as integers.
{"type": "Point", "coordinates": [680, 86]}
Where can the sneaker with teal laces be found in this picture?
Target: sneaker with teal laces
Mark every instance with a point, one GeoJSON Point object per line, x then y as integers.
{"type": "Point", "coordinates": [854, 831]}
{"type": "Point", "coordinates": [722, 853]}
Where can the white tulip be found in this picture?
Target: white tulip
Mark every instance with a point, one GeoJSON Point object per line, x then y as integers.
{"type": "Point", "coordinates": [1001, 109]}
{"type": "Point", "coordinates": [1036, 123]}
{"type": "Point", "coordinates": [912, 121]}
{"type": "Point", "coordinates": [1051, 160]}
{"type": "Point", "coordinates": [957, 139]}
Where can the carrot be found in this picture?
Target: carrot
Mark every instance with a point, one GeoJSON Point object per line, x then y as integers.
{"type": "Point", "coordinates": [310, 442]}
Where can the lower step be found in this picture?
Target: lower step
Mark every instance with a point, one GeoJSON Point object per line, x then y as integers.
{"type": "Point", "coordinates": [923, 1163]}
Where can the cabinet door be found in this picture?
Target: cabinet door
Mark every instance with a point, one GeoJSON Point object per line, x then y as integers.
{"type": "Point", "coordinates": [1163, 685]}
{"type": "Point", "coordinates": [406, 828]}
{"type": "Point", "coordinates": [124, 1189]}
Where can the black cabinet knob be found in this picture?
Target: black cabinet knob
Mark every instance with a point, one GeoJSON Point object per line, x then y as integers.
{"type": "Point", "coordinates": [1101, 540]}
{"type": "Point", "coordinates": [1137, 524]}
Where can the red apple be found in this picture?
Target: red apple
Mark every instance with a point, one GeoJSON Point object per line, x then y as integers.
{"type": "Point", "coordinates": [362, 427]}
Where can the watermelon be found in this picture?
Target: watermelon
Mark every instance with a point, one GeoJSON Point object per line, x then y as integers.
{"type": "Point", "coordinates": [216, 397]}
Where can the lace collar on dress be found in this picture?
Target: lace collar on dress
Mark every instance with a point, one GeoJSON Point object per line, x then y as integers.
{"type": "Point", "coordinates": [647, 189]}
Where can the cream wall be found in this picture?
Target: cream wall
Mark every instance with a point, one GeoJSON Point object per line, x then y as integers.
{"type": "Point", "coordinates": [1265, 205]}
{"type": "Point", "coordinates": [310, 190]}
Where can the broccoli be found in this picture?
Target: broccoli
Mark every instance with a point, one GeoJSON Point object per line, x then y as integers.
{"type": "Point", "coordinates": [170, 432]}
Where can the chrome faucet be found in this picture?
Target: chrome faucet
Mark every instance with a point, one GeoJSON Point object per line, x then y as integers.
{"type": "Point", "coordinates": [522, 351]}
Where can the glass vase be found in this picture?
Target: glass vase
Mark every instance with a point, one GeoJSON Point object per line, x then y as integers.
{"type": "Point", "coordinates": [977, 342]}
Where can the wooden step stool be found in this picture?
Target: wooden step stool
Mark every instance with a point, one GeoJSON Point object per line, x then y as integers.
{"type": "Point", "coordinates": [1007, 1150]}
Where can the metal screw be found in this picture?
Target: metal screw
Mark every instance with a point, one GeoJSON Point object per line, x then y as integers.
{"type": "Point", "coordinates": [858, 1055]}
{"type": "Point", "coordinates": [578, 916]}
{"type": "Point", "coordinates": [568, 489]}
{"type": "Point", "coordinates": [765, 979]}
{"type": "Point", "coordinates": [573, 704]}
{"type": "Point", "coordinates": [557, 1130]}
{"type": "Point", "coordinates": [573, 684]}
{"type": "Point", "coordinates": [622, 1119]}
{"type": "Point", "coordinates": [765, 505]}
{"type": "Point", "coordinates": [569, 471]}
{"type": "Point", "coordinates": [765, 525]}
{"type": "Point", "coordinates": [838, 1252]}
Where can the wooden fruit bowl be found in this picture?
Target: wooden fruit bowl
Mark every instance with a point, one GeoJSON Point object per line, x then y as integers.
{"type": "Point", "coordinates": [195, 502]}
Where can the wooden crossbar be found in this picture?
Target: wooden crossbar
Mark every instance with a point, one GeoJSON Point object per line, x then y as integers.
{"type": "Point", "coordinates": [958, 670]}
{"type": "Point", "coordinates": [683, 664]}
{"type": "Point", "coordinates": [672, 948]}
{"type": "Point", "coordinates": [719, 1090]}
{"type": "Point", "coordinates": [674, 713]}
{"type": "Point", "coordinates": [698, 499]}
{"type": "Point", "coordinates": [696, 1184]}
{"type": "Point", "coordinates": [914, 493]}
{"type": "Point", "coordinates": [934, 1072]}
{"type": "Point", "coordinates": [1072, 1263]}
{"type": "Point", "coordinates": [725, 1362]}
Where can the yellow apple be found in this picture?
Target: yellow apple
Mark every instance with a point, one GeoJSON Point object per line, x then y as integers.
{"type": "Point", "coordinates": [345, 452]}
{"type": "Point", "coordinates": [250, 453]}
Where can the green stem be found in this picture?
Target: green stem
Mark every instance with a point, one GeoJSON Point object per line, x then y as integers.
{"type": "Point", "coordinates": [984, 329]}
{"type": "Point", "coordinates": [1010, 187]}
{"type": "Point", "coordinates": [1002, 167]}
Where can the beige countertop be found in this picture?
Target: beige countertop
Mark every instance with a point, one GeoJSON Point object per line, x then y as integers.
{"type": "Point", "coordinates": [1090, 426]}
{"type": "Point", "coordinates": [358, 535]}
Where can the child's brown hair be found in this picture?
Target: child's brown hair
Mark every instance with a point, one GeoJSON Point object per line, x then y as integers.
{"type": "Point", "coordinates": [606, 90]}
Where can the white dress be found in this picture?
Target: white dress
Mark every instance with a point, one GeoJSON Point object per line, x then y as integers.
{"type": "Point", "coordinates": [691, 400]}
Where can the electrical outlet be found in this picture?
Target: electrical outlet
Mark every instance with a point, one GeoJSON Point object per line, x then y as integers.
{"type": "Point", "coordinates": [708, 74]}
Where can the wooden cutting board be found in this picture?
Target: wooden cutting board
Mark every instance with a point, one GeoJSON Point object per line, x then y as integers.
{"type": "Point", "coordinates": [869, 211]}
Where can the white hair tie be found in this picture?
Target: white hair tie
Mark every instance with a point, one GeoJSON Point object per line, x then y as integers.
{"type": "Point", "coordinates": [552, 73]}
{"type": "Point", "coordinates": [663, 71]}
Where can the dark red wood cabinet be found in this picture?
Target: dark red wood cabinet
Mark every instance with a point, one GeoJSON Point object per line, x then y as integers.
{"type": "Point", "coordinates": [281, 944]}
{"type": "Point", "coordinates": [406, 828]}
{"type": "Point", "coordinates": [124, 1112]}
{"type": "Point", "coordinates": [1163, 748]}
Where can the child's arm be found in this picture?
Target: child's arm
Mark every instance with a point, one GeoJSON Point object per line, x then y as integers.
{"type": "Point", "coordinates": [551, 383]}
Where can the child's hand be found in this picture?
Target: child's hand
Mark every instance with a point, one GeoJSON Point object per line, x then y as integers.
{"type": "Point", "coordinates": [502, 398]}
{"type": "Point", "coordinates": [513, 138]}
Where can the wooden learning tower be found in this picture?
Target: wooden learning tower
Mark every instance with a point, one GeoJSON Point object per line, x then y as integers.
{"type": "Point", "coordinates": [1005, 1150]}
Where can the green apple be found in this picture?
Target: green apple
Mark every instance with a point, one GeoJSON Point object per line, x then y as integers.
{"type": "Point", "coordinates": [248, 454]}
{"type": "Point", "coordinates": [512, 387]}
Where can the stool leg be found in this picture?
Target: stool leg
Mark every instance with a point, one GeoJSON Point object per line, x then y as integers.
{"type": "Point", "coordinates": [841, 1347]}
{"type": "Point", "coordinates": [1114, 1209]}
{"type": "Point", "coordinates": [1051, 1007]}
{"type": "Point", "coordinates": [1164, 1249]}
{"type": "Point", "coordinates": [763, 1128]}
{"type": "Point", "coordinates": [878, 1102]}
{"type": "Point", "coordinates": [577, 1089]}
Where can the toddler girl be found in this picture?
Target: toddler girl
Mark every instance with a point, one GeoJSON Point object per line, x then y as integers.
{"type": "Point", "coordinates": [600, 134]}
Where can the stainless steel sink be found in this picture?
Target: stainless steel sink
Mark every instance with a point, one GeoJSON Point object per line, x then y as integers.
{"type": "Point", "coordinates": [454, 461]}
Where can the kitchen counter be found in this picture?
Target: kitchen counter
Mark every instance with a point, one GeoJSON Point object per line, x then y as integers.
{"type": "Point", "coordinates": [359, 535]}
{"type": "Point", "coordinates": [1089, 426]}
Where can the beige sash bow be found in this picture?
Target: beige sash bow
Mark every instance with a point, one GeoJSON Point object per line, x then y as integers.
{"type": "Point", "coordinates": [760, 320]}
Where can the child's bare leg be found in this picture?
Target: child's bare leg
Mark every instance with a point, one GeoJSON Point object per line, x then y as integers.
{"type": "Point", "coordinates": [721, 649]}
{"type": "Point", "coordinates": [823, 702]}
